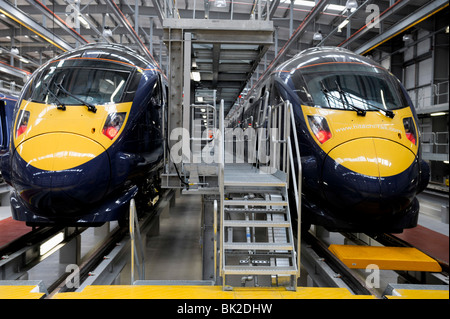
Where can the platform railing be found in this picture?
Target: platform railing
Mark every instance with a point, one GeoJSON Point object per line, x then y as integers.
{"type": "Point", "coordinates": [203, 127]}
{"type": "Point", "coordinates": [221, 163]}
{"type": "Point", "coordinates": [296, 173]}
{"type": "Point", "coordinates": [135, 236]}
{"type": "Point", "coordinates": [286, 155]}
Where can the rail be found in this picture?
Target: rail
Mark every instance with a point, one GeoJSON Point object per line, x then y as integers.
{"type": "Point", "coordinates": [435, 146]}
{"type": "Point", "coordinates": [221, 183]}
{"type": "Point", "coordinates": [296, 171]}
{"type": "Point", "coordinates": [285, 153]}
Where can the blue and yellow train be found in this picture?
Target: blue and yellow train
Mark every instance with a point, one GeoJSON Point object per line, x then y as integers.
{"type": "Point", "coordinates": [358, 138]}
{"type": "Point", "coordinates": [87, 136]}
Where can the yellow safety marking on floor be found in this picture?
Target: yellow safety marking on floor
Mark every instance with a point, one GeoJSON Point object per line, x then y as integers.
{"type": "Point", "coordinates": [20, 292]}
{"type": "Point", "coordinates": [390, 258]}
{"type": "Point", "coordinates": [420, 294]}
{"type": "Point", "coordinates": [206, 292]}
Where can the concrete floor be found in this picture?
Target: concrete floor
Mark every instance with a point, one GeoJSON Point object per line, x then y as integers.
{"type": "Point", "coordinates": [175, 253]}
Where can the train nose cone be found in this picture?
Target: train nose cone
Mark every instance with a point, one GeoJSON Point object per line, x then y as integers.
{"type": "Point", "coordinates": [370, 175]}
{"type": "Point", "coordinates": [60, 173]}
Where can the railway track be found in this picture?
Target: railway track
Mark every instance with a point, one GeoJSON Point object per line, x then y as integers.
{"type": "Point", "coordinates": [326, 269]}
{"type": "Point", "coordinates": [102, 262]}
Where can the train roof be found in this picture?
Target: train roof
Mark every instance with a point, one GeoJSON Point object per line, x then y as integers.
{"type": "Point", "coordinates": [318, 55]}
{"type": "Point", "coordinates": [110, 52]}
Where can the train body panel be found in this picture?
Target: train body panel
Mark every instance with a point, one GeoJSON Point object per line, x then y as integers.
{"type": "Point", "coordinates": [87, 137]}
{"type": "Point", "coordinates": [358, 140]}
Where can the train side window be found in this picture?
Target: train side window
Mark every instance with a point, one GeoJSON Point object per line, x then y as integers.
{"type": "Point", "coordinates": [3, 126]}
{"type": "Point", "coordinates": [156, 99]}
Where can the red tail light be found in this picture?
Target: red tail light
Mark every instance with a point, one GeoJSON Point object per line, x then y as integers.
{"type": "Point", "coordinates": [113, 123]}
{"type": "Point", "coordinates": [410, 129]}
{"type": "Point", "coordinates": [22, 122]}
{"type": "Point", "coordinates": [320, 128]}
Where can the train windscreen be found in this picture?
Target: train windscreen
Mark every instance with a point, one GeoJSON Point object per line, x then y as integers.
{"type": "Point", "coordinates": [71, 83]}
{"type": "Point", "coordinates": [352, 85]}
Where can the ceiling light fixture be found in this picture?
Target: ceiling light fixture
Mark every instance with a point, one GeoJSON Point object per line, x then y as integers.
{"type": "Point", "coordinates": [406, 37]}
{"type": "Point", "coordinates": [107, 32]}
{"type": "Point", "coordinates": [351, 5]}
{"type": "Point", "coordinates": [318, 36]}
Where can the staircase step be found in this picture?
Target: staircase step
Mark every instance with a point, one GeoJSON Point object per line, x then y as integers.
{"type": "Point", "coordinates": [255, 223]}
{"type": "Point", "coordinates": [255, 210]}
{"type": "Point", "coordinates": [259, 270]}
{"type": "Point", "coordinates": [253, 183]}
{"type": "Point", "coordinates": [254, 203]}
{"type": "Point", "coordinates": [259, 246]}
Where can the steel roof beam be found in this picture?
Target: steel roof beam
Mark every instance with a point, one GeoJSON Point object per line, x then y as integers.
{"type": "Point", "coordinates": [124, 21]}
{"type": "Point", "coordinates": [394, 8]}
{"type": "Point", "coordinates": [406, 23]}
{"type": "Point", "coordinates": [51, 15]}
{"type": "Point", "coordinates": [14, 71]}
{"type": "Point", "coordinates": [24, 19]}
{"type": "Point", "coordinates": [315, 11]}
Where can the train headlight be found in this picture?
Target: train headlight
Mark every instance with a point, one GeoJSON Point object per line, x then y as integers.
{"type": "Point", "coordinates": [410, 129]}
{"type": "Point", "coordinates": [320, 128]}
{"type": "Point", "coordinates": [113, 123]}
{"type": "Point", "coordinates": [22, 122]}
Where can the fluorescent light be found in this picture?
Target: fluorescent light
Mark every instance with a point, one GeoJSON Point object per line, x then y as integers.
{"type": "Point", "coordinates": [195, 76]}
{"type": "Point", "coordinates": [83, 21]}
{"type": "Point", "coordinates": [24, 60]}
{"type": "Point", "coordinates": [438, 114]}
{"type": "Point", "coordinates": [335, 7]}
{"type": "Point", "coordinates": [51, 243]}
{"type": "Point", "coordinates": [343, 24]}
{"type": "Point", "coordinates": [305, 3]}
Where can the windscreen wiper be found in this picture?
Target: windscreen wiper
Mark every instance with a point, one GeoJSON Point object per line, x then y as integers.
{"type": "Point", "coordinates": [90, 106]}
{"type": "Point", "coordinates": [325, 92]}
{"type": "Point", "coordinates": [343, 95]}
{"type": "Point", "coordinates": [61, 106]}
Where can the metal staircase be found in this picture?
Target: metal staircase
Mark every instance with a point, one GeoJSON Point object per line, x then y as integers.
{"type": "Point", "coordinates": [256, 236]}
{"type": "Point", "coordinates": [256, 226]}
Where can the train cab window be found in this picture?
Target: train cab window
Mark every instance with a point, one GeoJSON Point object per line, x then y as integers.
{"type": "Point", "coordinates": [350, 85]}
{"type": "Point", "coordinates": [3, 136]}
{"type": "Point", "coordinates": [70, 84]}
